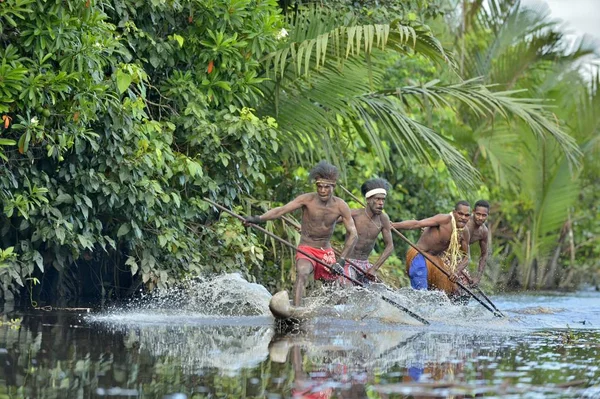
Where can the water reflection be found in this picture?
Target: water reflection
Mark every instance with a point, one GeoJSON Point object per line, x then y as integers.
{"type": "Point", "coordinates": [446, 364]}
{"type": "Point", "coordinates": [162, 352]}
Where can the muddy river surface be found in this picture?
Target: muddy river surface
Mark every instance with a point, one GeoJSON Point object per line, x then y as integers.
{"type": "Point", "coordinates": [217, 340]}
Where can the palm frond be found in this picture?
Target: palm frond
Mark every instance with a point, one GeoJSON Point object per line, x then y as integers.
{"type": "Point", "coordinates": [588, 117]}
{"type": "Point", "coordinates": [522, 37]}
{"type": "Point", "coordinates": [411, 138]}
{"type": "Point", "coordinates": [317, 37]}
{"type": "Point", "coordinates": [299, 99]}
{"type": "Point", "coordinates": [485, 103]}
{"type": "Point", "coordinates": [307, 110]}
{"type": "Point", "coordinates": [559, 194]}
{"type": "Point", "coordinates": [548, 184]}
{"type": "Point", "coordinates": [332, 91]}
{"type": "Point", "coordinates": [308, 116]}
{"type": "Point", "coordinates": [500, 146]}
{"type": "Point", "coordinates": [536, 116]}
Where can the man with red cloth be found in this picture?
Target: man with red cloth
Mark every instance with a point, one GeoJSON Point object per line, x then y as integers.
{"type": "Point", "coordinates": [320, 211]}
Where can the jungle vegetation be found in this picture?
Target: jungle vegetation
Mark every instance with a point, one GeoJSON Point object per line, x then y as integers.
{"type": "Point", "coordinates": [119, 116]}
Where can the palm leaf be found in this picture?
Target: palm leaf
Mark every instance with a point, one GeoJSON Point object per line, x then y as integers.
{"type": "Point", "coordinates": [559, 194]}
{"type": "Point", "coordinates": [316, 38]}
{"type": "Point", "coordinates": [588, 119]}
{"type": "Point", "coordinates": [522, 37]}
{"type": "Point", "coordinates": [500, 146]}
{"type": "Point", "coordinates": [412, 139]}
{"type": "Point", "coordinates": [485, 103]}
{"type": "Point", "coordinates": [327, 72]}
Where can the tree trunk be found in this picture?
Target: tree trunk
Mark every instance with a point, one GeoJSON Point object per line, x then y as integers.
{"type": "Point", "coordinates": [513, 278]}
{"type": "Point", "coordinates": [551, 278]}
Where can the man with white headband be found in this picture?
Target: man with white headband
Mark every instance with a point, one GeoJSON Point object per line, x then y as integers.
{"type": "Point", "coordinates": [369, 222]}
{"type": "Point", "coordinates": [320, 211]}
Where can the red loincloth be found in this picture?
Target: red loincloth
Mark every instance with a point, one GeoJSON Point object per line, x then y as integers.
{"type": "Point", "coordinates": [326, 255]}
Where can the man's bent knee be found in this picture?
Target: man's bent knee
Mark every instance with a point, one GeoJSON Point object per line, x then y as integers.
{"type": "Point", "coordinates": [303, 268]}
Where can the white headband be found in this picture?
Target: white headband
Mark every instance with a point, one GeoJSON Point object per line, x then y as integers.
{"type": "Point", "coordinates": [371, 193]}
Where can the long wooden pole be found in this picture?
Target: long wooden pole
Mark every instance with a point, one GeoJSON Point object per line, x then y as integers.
{"type": "Point", "coordinates": [356, 282]}
{"type": "Point", "coordinates": [489, 300]}
{"type": "Point", "coordinates": [425, 255]}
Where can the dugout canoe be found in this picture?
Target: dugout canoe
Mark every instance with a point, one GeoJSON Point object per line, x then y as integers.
{"type": "Point", "coordinates": [283, 311]}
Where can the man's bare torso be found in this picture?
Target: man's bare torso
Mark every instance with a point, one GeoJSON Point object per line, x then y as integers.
{"type": "Point", "coordinates": [477, 233]}
{"type": "Point", "coordinates": [368, 230]}
{"type": "Point", "coordinates": [318, 221]}
{"type": "Point", "coordinates": [435, 240]}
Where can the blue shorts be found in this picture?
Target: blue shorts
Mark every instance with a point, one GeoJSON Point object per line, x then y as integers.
{"type": "Point", "coordinates": [418, 273]}
{"type": "Point", "coordinates": [415, 372]}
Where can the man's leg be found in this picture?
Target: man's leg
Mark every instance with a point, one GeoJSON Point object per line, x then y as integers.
{"type": "Point", "coordinates": [418, 273]}
{"type": "Point", "coordinates": [303, 269]}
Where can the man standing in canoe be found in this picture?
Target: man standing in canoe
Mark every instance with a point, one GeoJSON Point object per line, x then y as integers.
{"type": "Point", "coordinates": [479, 232]}
{"type": "Point", "coordinates": [320, 211]}
{"type": "Point", "coordinates": [446, 241]}
{"type": "Point", "coordinates": [370, 221]}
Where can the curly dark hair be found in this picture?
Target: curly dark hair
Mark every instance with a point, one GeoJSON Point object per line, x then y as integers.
{"type": "Point", "coordinates": [324, 170]}
{"type": "Point", "coordinates": [459, 203]}
{"type": "Point", "coordinates": [372, 184]}
{"type": "Point", "coordinates": [483, 203]}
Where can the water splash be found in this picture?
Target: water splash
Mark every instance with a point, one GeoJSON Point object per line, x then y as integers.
{"type": "Point", "coordinates": [218, 322]}
{"type": "Point", "coordinates": [204, 300]}
{"type": "Point", "coordinates": [194, 301]}
{"type": "Point", "coordinates": [221, 295]}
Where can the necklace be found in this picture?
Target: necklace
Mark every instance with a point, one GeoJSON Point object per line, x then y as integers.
{"type": "Point", "coordinates": [372, 221]}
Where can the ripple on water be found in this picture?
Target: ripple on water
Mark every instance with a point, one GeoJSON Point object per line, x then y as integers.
{"type": "Point", "coordinates": [208, 335]}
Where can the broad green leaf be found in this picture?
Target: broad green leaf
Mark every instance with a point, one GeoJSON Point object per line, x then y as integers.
{"type": "Point", "coordinates": [123, 80]}
{"type": "Point", "coordinates": [179, 39]}
{"type": "Point", "coordinates": [132, 264]}
{"type": "Point", "coordinates": [124, 229]}
{"type": "Point", "coordinates": [63, 198]}
{"type": "Point", "coordinates": [39, 260]}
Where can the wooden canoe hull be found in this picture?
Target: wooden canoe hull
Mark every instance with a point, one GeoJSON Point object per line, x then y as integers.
{"type": "Point", "coordinates": [282, 309]}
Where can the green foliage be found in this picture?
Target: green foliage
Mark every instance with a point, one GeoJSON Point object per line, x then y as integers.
{"type": "Point", "coordinates": [119, 116]}
{"type": "Point", "coordinates": [538, 183]}
{"type": "Point", "coordinates": [333, 59]}
{"type": "Point", "coordinates": [117, 143]}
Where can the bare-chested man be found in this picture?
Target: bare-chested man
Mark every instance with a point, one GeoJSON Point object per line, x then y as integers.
{"type": "Point", "coordinates": [370, 221]}
{"type": "Point", "coordinates": [320, 212]}
{"type": "Point", "coordinates": [444, 238]}
{"type": "Point", "coordinates": [478, 232]}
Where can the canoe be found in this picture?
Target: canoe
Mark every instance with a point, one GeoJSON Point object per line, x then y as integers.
{"type": "Point", "coordinates": [283, 311]}
{"type": "Point", "coordinates": [365, 347]}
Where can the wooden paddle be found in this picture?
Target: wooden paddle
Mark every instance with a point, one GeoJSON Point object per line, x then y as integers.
{"type": "Point", "coordinates": [425, 255]}
{"type": "Point", "coordinates": [356, 282]}
{"type": "Point", "coordinates": [489, 301]}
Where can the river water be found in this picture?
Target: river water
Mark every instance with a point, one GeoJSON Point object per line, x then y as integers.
{"type": "Point", "coordinates": [216, 339]}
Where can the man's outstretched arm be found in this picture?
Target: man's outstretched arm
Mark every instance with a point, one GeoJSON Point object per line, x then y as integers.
{"type": "Point", "coordinates": [433, 221]}
{"type": "Point", "coordinates": [275, 213]}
